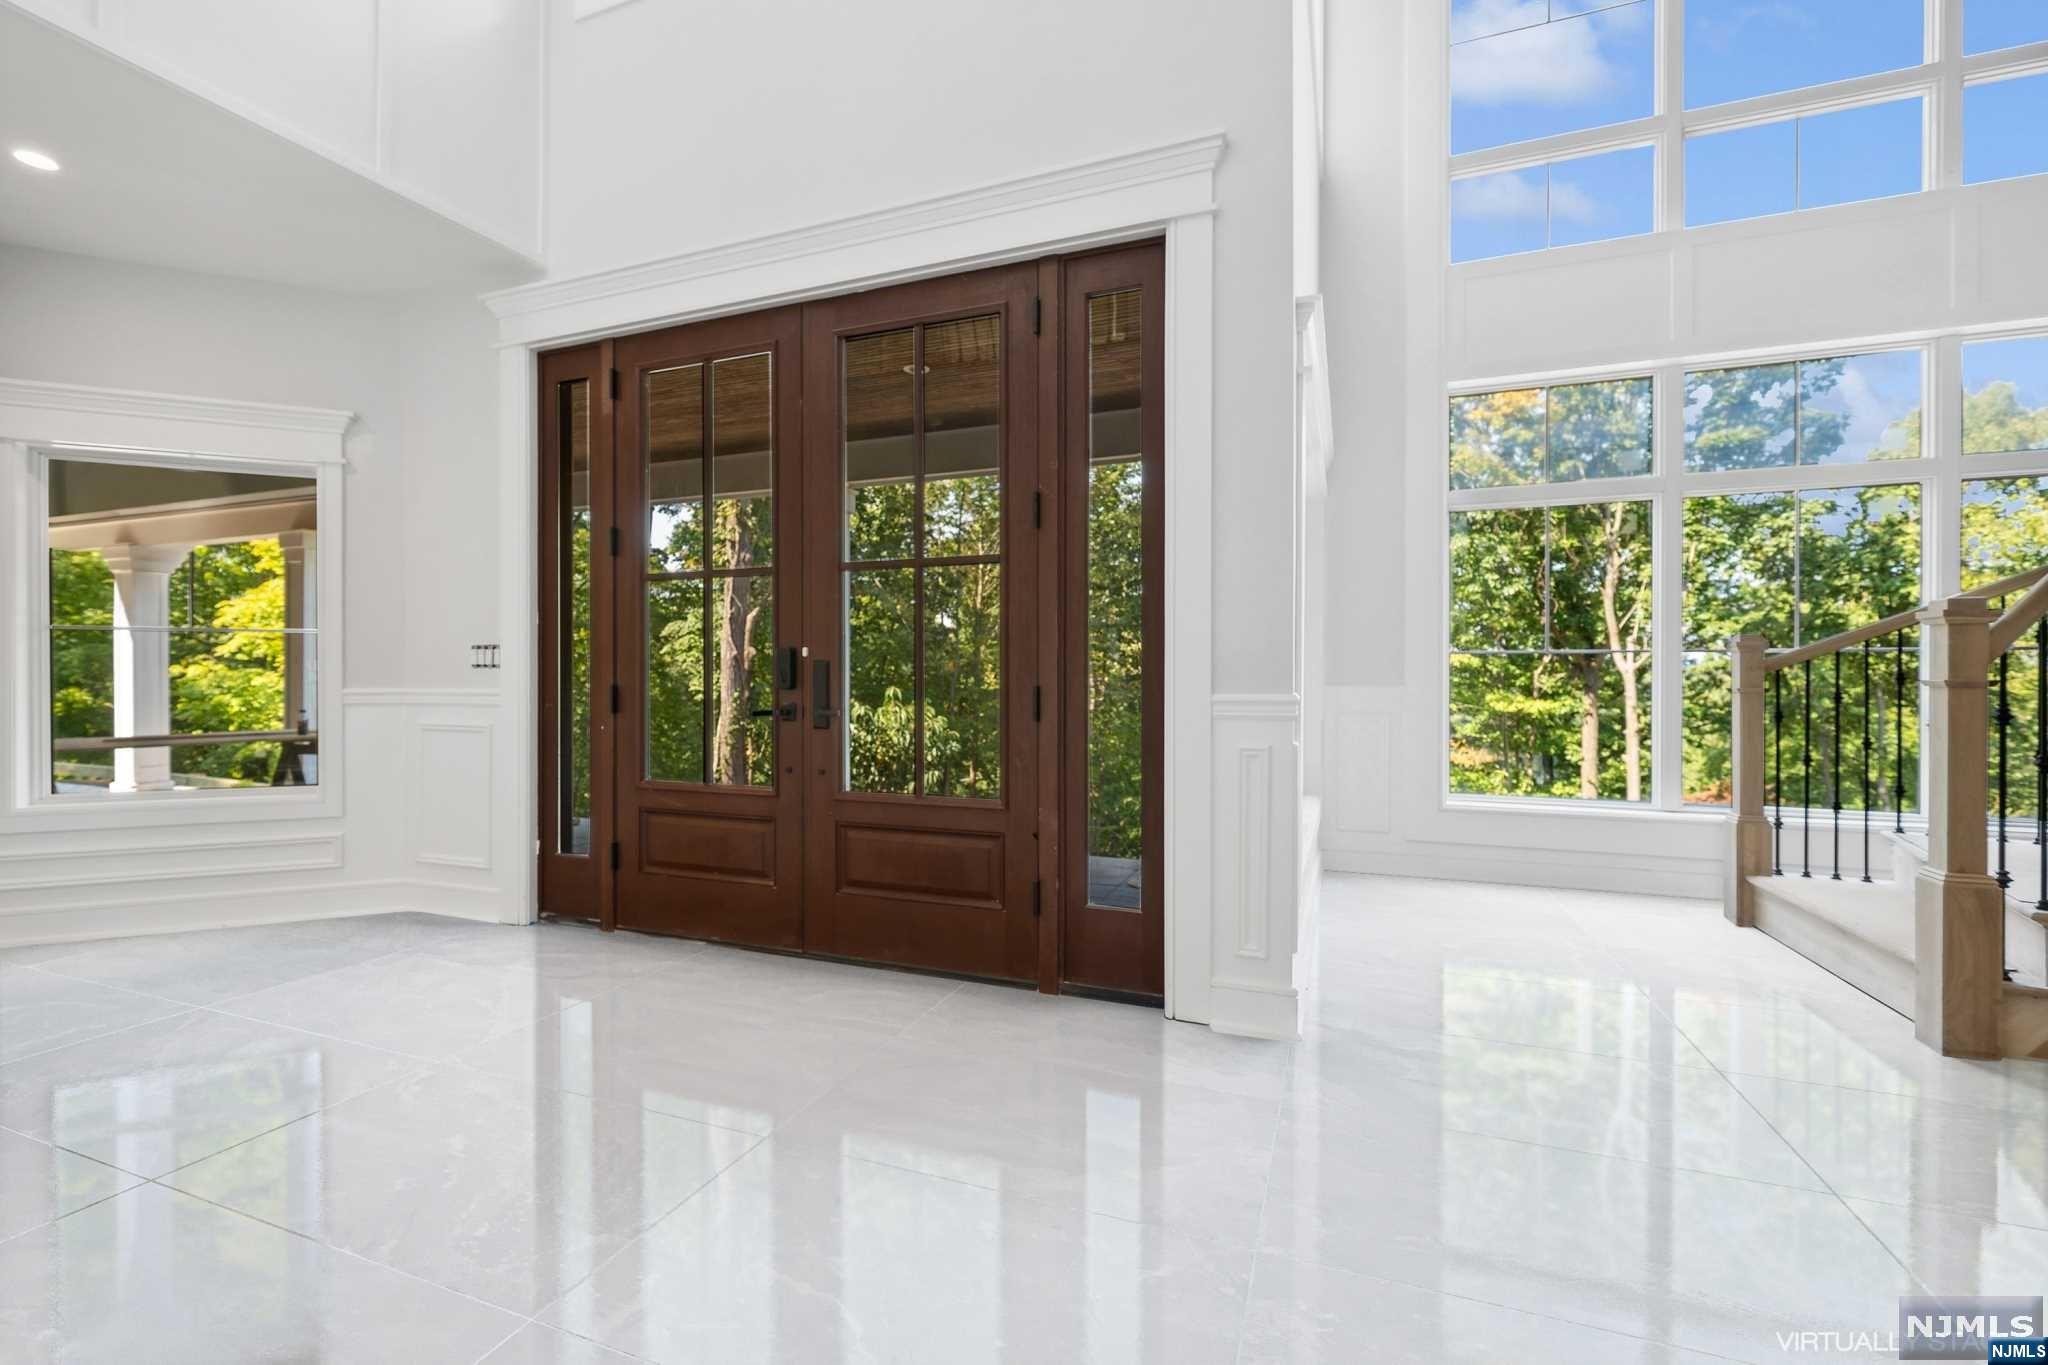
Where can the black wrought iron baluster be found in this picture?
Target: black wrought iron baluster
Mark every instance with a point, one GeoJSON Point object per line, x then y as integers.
{"type": "Point", "coordinates": [2041, 759]}
{"type": "Point", "coordinates": [1899, 733]}
{"type": "Point", "coordinates": [1778, 773]}
{"type": "Point", "coordinates": [2003, 715]}
{"type": "Point", "coordinates": [1866, 760]}
{"type": "Point", "coordinates": [1806, 769]}
{"type": "Point", "coordinates": [1835, 769]}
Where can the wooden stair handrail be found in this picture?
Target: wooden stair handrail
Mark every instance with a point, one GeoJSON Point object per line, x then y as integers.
{"type": "Point", "coordinates": [2007, 629]}
{"type": "Point", "coordinates": [2036, 579]}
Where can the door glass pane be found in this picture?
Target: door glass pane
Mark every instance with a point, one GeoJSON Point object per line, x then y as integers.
{"type": "Point", "coordinates": [573, 418]}
{"type": "Point", "coordinates": [675, 680]}
{"type": "Point", "coordinates": [881, 681]}
{"type": "Point", "coordinates": [963, 680]}
{"type": "Point", "coordinates": [743, 458]}
{"type": "Point", "coordinates": [675, 469]}
{"type": "Point", "coordinates": [880, 438]}
{"type": "Point", "coordinates": [742, 681]}
{"type": "Point", "coordinates": [963, 437]}
{"type": "Point", "coordinates": [1116, 602]}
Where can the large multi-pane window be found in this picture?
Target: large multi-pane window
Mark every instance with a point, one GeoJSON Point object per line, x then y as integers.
{"type": "Point", "coordinates": [1794, 497]}
{"type": "Point", "coordinates": [1563, 129]}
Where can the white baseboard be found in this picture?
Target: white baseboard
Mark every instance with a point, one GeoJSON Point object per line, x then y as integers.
{"type": "Point", "coordinates": [240, 910]}
{"type": "Point", "coordinates": [1252, 1011]}
{"type": "Point", "coordinates": [1684, 877]}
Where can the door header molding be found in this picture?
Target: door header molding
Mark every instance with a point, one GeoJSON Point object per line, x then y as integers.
{"type": "Point", "coordinates": [1084, 204]}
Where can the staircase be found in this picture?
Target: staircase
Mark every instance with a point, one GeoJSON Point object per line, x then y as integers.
{"type": "Point", "coordinates": [1935, 911]}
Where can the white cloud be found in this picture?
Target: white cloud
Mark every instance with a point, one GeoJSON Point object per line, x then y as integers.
{"type": "Point", "coordinates": [1519, 196]}
{"type": "Point", "coordinates": [1507, 195]}
{"type": "Point", "coordinates": [1570, 204]}
{"type": "Point", "coordinates": [1870, 414]}
{"type": "Point", "coordinates": [1478, 18]}
{"type": "Point", "coordinates": [1565, 62]}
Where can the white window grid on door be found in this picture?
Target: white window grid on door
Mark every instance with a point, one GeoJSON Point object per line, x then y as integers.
{"type": "Point", "coordinates": [1940, 473]}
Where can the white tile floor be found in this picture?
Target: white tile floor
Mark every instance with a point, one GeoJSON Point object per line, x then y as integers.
{"type": "Point", "coordinates": [1534, 1125]}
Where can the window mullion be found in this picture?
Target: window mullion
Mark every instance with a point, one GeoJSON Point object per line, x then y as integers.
{"type": "Point", "coordinates": [1667, 586]}
{"type": "Point", "coordinates": [1670, 176]}
{"type": "Point", "coordinates": [1945, 116]}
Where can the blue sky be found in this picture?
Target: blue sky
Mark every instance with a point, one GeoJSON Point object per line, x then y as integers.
{"type": "Point", "coordinates": [1523, 69]}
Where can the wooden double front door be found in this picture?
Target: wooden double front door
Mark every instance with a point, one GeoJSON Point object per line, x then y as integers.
{"type": "Point", "coordinates": [815, 611]}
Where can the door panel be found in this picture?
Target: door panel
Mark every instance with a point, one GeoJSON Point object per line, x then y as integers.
{"type": "Point", "coordinates": [921, 597]}
{"type": "Point", "coordinates": [575, 735]}
{"type": "Point", "coordinates": [709, 793]}
{"type": "Point", "coordinates": [1112, 435]}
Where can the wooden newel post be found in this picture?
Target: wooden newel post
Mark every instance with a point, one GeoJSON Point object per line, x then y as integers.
{"type": "Point", "coordinates": [1958, 908]}
{"type": "Point", "coordinates": [1749, 853]}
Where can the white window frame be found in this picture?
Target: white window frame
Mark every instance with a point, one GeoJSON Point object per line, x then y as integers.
{"type": "Point", "coordinates": [1939, 78]}
{"type": "Point", "coordinates": [1940, 472]}
{"type": "Point", "coordinates": [40, 422]}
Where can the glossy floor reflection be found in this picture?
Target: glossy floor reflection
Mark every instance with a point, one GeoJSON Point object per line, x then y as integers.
{"type": "Point", "coordinates": [1562, 1126]}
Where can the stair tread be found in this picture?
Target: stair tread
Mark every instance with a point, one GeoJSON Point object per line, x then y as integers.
{"type": "Point", "coordinates": [1867, 910]}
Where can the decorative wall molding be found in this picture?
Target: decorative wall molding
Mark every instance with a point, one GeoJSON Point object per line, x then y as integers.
{"type": "Point", "coordinates": [1255, 706]}
{"type": "Point", "coordinates": [449, 804]}
{"type": "Point", "coordinates": [1007, 219]}
{"type": "Point", "coordinates": [38, 413]}
{"type": "Point", "coordinates": [170, 407]}
{"type": "Point", "coordinates": [420, 696]}
{"type": "Point", "coordinates": [1256, 863]}
{"type": "Point", "coordinates": [174, 862]}
{"type": "Point", "coordinates": [1254, 855]}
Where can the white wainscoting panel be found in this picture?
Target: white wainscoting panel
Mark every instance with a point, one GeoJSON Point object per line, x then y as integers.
{"type": "Point", "coordinates": [1255, 865]}
{"type": "Point", "coordinates": [451, 794]}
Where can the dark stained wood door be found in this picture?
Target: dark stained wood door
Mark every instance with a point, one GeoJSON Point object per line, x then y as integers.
{"type": "Point", "coordinates": [921, 609]}
{"type": "Point", "coordinates": [1112, 619]}
{"type": "Point", "coordinates": [708, 622]}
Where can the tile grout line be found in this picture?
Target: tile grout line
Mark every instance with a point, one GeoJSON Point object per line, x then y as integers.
{"type": "Point", "coordinates": [1835, 1194]}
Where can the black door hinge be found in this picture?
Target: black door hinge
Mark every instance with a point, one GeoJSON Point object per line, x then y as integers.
{"type": "Point", "coordinates": [615, 540]}
{"type": "Point", "coordinates": [1037, 315]}
{"type": "Point", "coordinates": [1037, 702]}
{"type": "Point", "coordinates": [1037, 898]}
{"type": "Point", "coordinates": [615, 699]}
{"type": "Point", "coordinates": [615, 855]}
{"type": "Point", "coordinates": [615, 386]}
{"type": "Point", "coordinates": [1037, 509]}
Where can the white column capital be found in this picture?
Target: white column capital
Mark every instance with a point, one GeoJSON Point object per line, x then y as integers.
{"type": "Point", "coordinates": [132, 559]}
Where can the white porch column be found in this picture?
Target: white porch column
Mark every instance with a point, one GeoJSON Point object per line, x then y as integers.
{"type": "Point", "coordinates": [300, 699]}
{"type": "Point", "coordinates": [142, 659]}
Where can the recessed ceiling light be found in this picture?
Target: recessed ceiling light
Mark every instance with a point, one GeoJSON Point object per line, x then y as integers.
{"type": "Point", "coordinates": [35, 160]}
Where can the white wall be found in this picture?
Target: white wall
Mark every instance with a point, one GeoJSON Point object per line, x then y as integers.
{"type": "Point", "coordinates": [440, 102]}
{"type": "Point", "coordinates": [677, 126]}
{"type": "Point", "coordinates": [420, 373]}
{"type": "Point", "coordinates": [1403, 326]}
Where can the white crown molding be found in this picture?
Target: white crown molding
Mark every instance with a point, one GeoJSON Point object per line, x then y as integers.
{"type": "Point", "coordinates": [170, 407]}
{"type": "Point", "coordinates": [1111, 195]}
